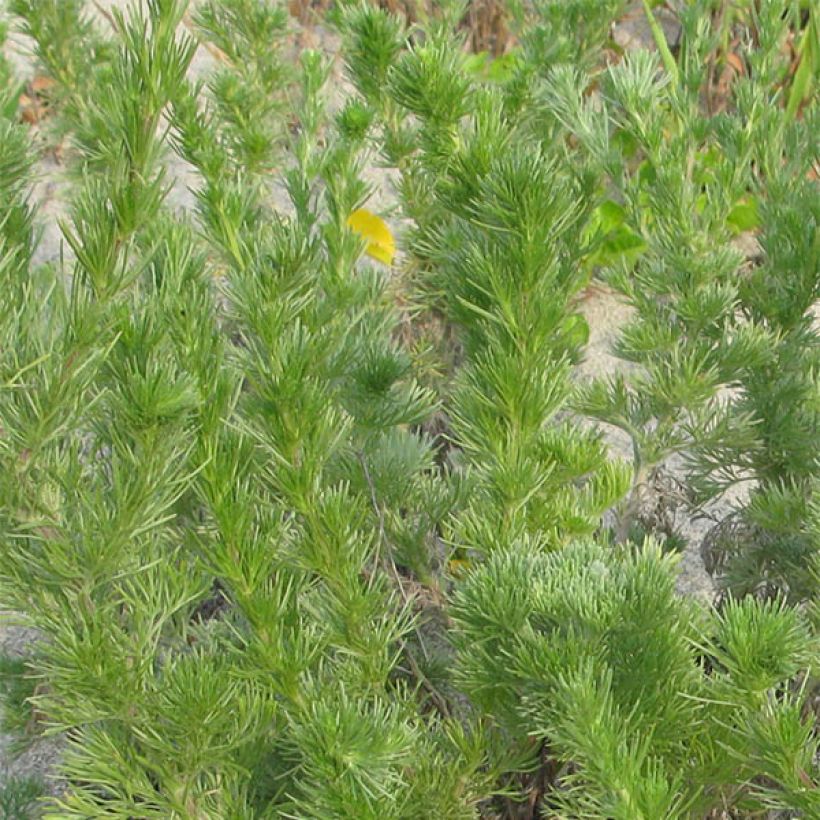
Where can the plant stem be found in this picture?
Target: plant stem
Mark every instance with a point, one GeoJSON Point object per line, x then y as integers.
{"type": "Point", "coordinates": [663, 46]}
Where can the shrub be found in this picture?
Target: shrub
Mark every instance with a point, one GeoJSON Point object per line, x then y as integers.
{"type": "Point", "coordinates": [723, 345]}
{"type": "Point", "coordinates": [260, 494]}
{"type": "Point", "coordinates": [653, 709]}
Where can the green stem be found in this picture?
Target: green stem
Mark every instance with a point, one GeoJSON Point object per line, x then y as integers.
{"type": "Point", "coordinates": [809, 52]}
{"type": "Point", "coordinates": [663, 46]}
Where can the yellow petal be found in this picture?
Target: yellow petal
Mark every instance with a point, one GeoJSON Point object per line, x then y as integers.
{"type": "Point", "coordinates": [373, 229]}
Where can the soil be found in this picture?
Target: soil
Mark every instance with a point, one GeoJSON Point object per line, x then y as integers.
{"type": "Point", "coordinates": [39, 757]}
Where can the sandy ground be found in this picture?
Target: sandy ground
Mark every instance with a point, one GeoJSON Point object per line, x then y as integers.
{"type": "Point", "coordinates": [604, 312]}
{"type": "Point", "coordinates": [39, 758]}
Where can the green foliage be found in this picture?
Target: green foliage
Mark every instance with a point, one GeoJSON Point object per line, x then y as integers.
{"type": "Point", "coordinates": [19, 797]}
{"type": "Point", "coordinates": [16, 688]}
{"type": "Point", "coordinates": [497, 225]}
{"type": "Point", "coordinates": [64, 40]}
{"type": "Point", "coordinates": [10, 86]}
{"type": "Point", "coordinates": [775, 413]}
{"type": "Point", "coordinates": [564, 31]}
{"type": "Point", "coordinates": [247, 96]}
{"type": "Point", "coordinates": [705, 318]}
{"type": "Point", "coordinates": [659, 710]}
{"type": "Point", "coordinates": [260, 494]}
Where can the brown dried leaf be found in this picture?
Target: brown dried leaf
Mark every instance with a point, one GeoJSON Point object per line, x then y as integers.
{"type": "Point", "coordinates": [735, 62]}
{"type": "Point", "coordinates": [41, 84]}
{"type": "Point", "coordinates": [29, 110]}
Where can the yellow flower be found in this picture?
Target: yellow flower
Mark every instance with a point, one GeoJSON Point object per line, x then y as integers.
{"type": "Point", "coordinates": [373, 229]}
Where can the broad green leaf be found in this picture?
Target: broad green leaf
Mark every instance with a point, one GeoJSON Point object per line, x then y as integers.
{"type": "Point", "coordinates": [622, 244]}
{"type": "Point", "coordinates": [611, 215]}
{"type": "Point", "coordinates": [626, 141]}
{"type": "Point", "coordinates": [476, 63]}
{"type": "Point", "coordinates": [744, 216]}
{"type": "Point", "coordinates": [500, 69]}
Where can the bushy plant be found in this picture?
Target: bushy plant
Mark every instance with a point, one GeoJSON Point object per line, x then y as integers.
{"type": "Point", "coordinates": [261, 493]}
{"type": "Point", "coordinates": [645, 707]}
{"type": "Point", "coordinates": [708, 318]}
{"type": "Point", "coordinates": [497, 218]}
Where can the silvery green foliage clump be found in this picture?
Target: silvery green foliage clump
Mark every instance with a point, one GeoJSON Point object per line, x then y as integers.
{"type": "Point", "coordinates": [556, 647]}
{"type": "Point", "coordinates": [289, 556]}
{"type": "Point", "coordinates": [498, 216]}
{"type": "Point", "coordinates": [725, 343]}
